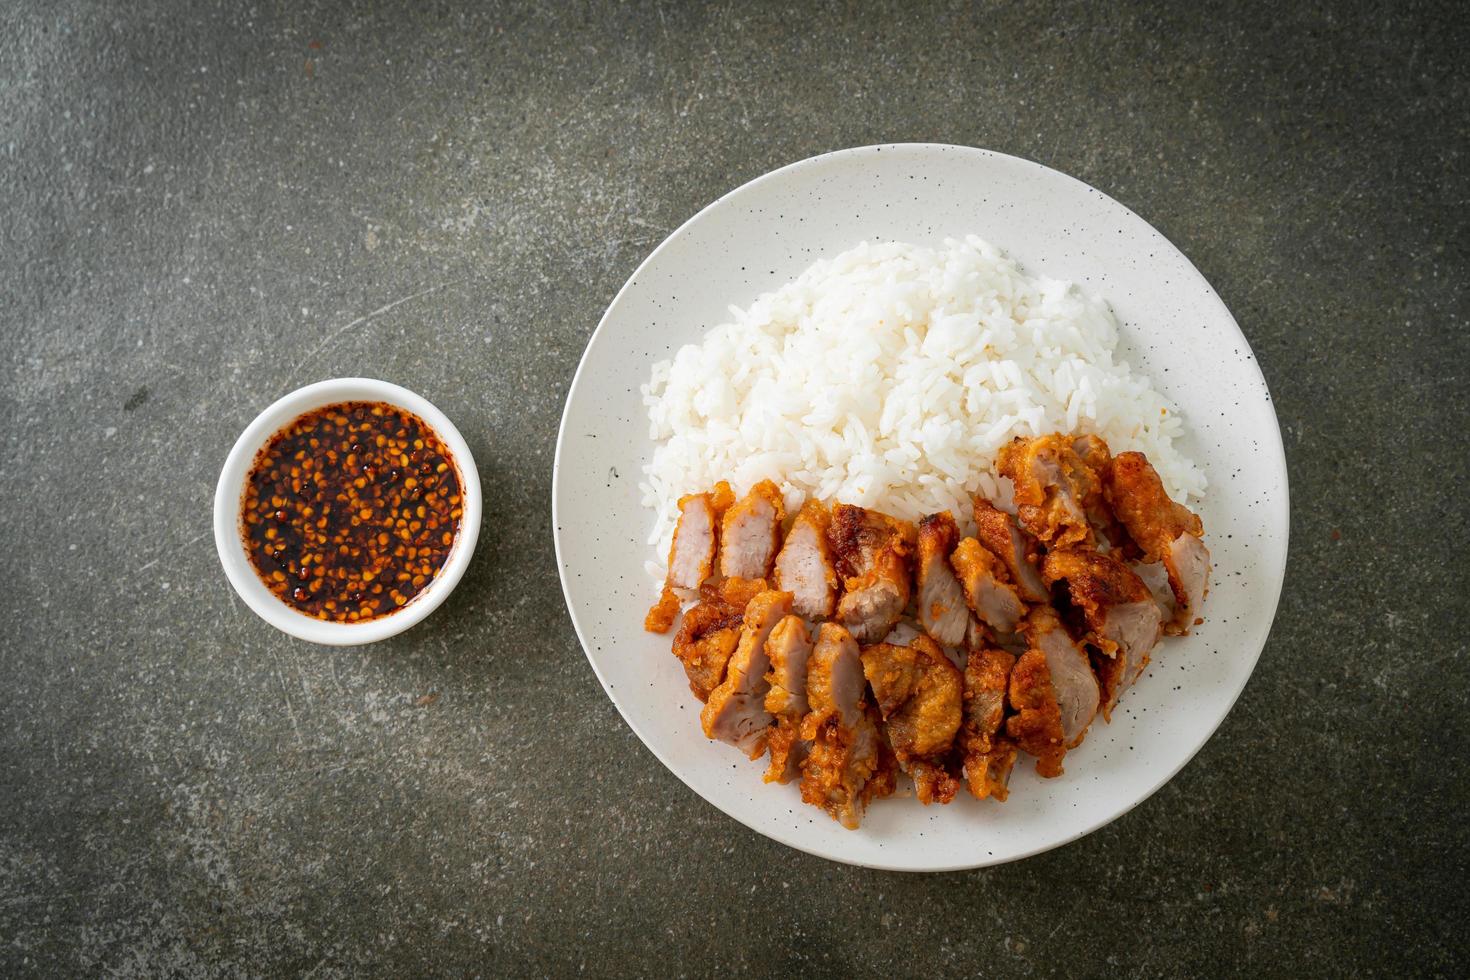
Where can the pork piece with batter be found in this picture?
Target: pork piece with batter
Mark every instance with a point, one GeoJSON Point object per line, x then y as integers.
{"type": "Point", "coordinates": [750, 532]}
{"type": "Point", "coordinates": [736, 710]}
{"type": "Point", "coordinates": [1122, 620]}
{"type": "Point", "coordinates": [1053, 692]}
{"type": "Point", "coordinates": [692, 554]}
{"type": "Point", "coordinates": [872, 552]}
{"type": "Point", "coordinates": [710, 632]}
{"type": "Point", "coordinates": [989, 753]}
{"type": "Point", "coordinates": [987, 588]}
{"type": "Point", "coordinates": [788, 648]}
{"type": "Point", "coordinates": [1017, 550]}
{"type": "Point", "coordinates": [804, 565]}
{"type": "Point", "coordinates": [849, 764]}
{"type": "Point", "coordinates": [1053, 487]}
{"type": "Point", "coordinates": [941, 601]}
{"type": "Point", "coordinates": [1164, 531]}
{"type": "Point", "coordinates": [920, 694]}
{"type": "Point", "coordinates": [1093, 451]}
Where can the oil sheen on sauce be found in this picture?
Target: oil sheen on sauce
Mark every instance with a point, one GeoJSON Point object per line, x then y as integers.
{"type": "Point", "coordinates": [351, 510]}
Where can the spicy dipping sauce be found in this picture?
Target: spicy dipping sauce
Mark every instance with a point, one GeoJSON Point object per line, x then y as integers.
{"type": "Point", "coordinates": [351, 510]}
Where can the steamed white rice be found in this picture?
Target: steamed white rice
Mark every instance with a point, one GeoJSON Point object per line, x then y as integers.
{"type": "Point", "coordinates": [887, 377]}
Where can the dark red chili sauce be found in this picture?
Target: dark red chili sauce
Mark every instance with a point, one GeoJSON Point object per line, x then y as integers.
{"type": "Point", "coordinates": [351, 510]}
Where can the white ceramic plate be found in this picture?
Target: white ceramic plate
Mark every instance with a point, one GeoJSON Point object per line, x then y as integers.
{"type": "Point", "coordinates": [1174, 327]}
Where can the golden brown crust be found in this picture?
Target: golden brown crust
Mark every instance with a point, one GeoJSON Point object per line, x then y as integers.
{"type": "Point", "coordinates": [736, 592]}
{"type": "Point", "coordinates": [884, 778]}
{"type": "Point", "coordinates": [721, 498]}
{"type": "Point", "coordinates": [1093, 451]}
{"type": "Point", "coordinates": [988, 754]}
{"type": "Point", "coordinates": [943, 726]}
{"type": "Point", "coordinates": [938, 534]}
{"type": "Point", "coordinates": [711, 630]}
{"type": "Point", "coordinates": [1137, 496]}
{"type": "Point", "coordinates": [1052, 486]}
{"type": "Point", "coordinates": [662, 614]}
{"type": "Point", "coordinates": [705, 641]}
{"type": "Point", "coordinates": [735, 711]}
{"type": "Point", "coordinates": [1095, 582]}
{"type": "Point", "coordinates": [872, 552]}
{"type": "Point", "coordinates": [1017, 550]}
{"type": "Point", "coordinates": [1110, 672]}
{"type": "Point", "coordinates": [856, 535]}
{"type": "Point", "coordinates": [971, 561]}
{"type": "Point", "coordinates": [1036, 727]}
{"type": "Point", "coordinates": [919, 693]}
{"type": "Point", "coordinates": [838, 775]}
{"type": "Point", "coordinates": [789, 706]}
{"type": "Point", "coordinates": [782, 742]}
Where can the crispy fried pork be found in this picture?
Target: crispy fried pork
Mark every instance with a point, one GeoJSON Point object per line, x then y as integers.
{"type": "Point", "coordinates": [711, 631]}
{"type": "Point", "coordinates": [1094, 453]}
{"type": "Point", "coordinates": [919, 693]}
{"type": "Point", "coordinates": [1036, 726]}
{"type": "Point", "coordinates": [1017, 550]}
{"type": "Point", "coordinates": [1071, 675]}
{"type": "Point", "coordinates": [941, 602]}
{"type": "Point", "coordinates": [1053, 486]}
{"type": "Point", "coordinates": [750, 532]}
{"type": "Point", "coordinates": [804, 566]}
{"type": "Point", "coordinates": [691, 557]}
{"type": "Point", "coordinates": [1122, 620]}
{"type": "Point", "coordinates": [1053, 691]}
{"type": "Point", "coordinates": [989, 754]}
{"type": "Point", "coordinates": [987, 588]}
{"type": "Point", "coordinates": [872, 552]}
{"type": "Point", "coordinates": [789, 647]}
{"type": "Point", "coordinates": [772, 685]}
{"type": "Point", "coordinates": [848, 764]}
{"type": "Point", "coordinates": [1165, 531]}
{"type": "Point", "coordinates": [736, 710]}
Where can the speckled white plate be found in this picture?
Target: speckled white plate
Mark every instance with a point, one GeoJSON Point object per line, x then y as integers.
{"type": "Point", "coordinates": [1174, 327]}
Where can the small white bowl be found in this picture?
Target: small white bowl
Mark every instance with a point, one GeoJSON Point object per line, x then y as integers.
{"type": "Point", "coordinates": [230, 491]}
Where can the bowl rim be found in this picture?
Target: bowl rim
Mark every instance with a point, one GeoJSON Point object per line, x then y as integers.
{"type": "Point", "coordinates": [230, 544]}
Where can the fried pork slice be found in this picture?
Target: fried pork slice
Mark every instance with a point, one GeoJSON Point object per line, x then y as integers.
{"type": "Point", "coordinates": [987, 588]}
{"type": "Point", "coordinates": [941, 602]}
{"type": "Point", "coordinates": [736, 710]}
{"type": "Point", "coordinates": [804, 566]}
{"type": "Point", "coordinates": [1165, 531]}
{"type": "Point", "coordinates": [788, 648]}
{"type": "Point", "coordinates": [920, 695]}
{"type": "Point", "coordinates": [711, 631]}
{"type": "Point", "coordinates": [988, 753]}
{"type": "Point", "coordinates": [691, 558]}
{"type": "Point", "coordinates": [872, 552]}
{"type": "Point", "coordinates": [1036, 726]}
{"type": "Point", "coordinates": [1053, 485]}
{"type": "Point", "coordinates": [1053, 692]}
{"type": "Point", "coordinates": [1094, 451]}
{"type": "Point", "coordinates": [1123, 621]}
{"type": "Point", "coordinates": [1073, 682]}
{"type": "Point", "coordinates": [750, 532]}
{"type": "Point", "coordinates": [997, 531]}
{"type": "Point", "coordinates": [848, 764]}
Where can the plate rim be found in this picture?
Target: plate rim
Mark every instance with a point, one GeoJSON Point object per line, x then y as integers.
{"type": "Point", "coordinates": [821, 158]}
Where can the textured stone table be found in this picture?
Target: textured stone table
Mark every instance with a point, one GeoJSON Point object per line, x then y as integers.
{"type": "Point", "coordinates": [204, 205]}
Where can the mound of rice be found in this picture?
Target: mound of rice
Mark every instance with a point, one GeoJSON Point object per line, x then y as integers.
{"type": "Point", "coordinates": [887, 377]}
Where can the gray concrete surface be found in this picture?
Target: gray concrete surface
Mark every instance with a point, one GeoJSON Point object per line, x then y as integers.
{"type": "Point", "coordinates": [203, 205]}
